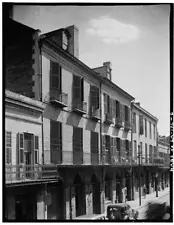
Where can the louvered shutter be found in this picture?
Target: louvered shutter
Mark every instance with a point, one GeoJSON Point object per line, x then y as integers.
{"type": "Point", "coordinates": [113, 108]}
{"type": "Point", "coordinates": [76, 89]}
{"type": "Point", "coordinates": [130, 149]}
{"type": "Point", "coordinates": [21, 148]}
{"type": "Point", "coordinates": [141, 124]}
{"type": "Point", "coordinates": [123, 113]}
{"type": "Point", "coordinates": [111, 146]}
{"type": "Point", "coordinates": [105, 103]}
{"type": "Point", "coordinates": [93, 93]}
{"type": "Point", "coordinates": [82, 89]}
{"type": "Point", "coordinates": [129, 116]}
{"type": "Point", "coordinates": [103, 149]}
{"type": "Point", "coordinates": [98, 98]}
{"type": "Point", "coordinates": [55, 76]}
{"type": "Point", "coordinates": [36, 149]}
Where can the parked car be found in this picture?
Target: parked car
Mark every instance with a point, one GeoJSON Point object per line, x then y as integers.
{"type": "Point", "coordinates": [121, 211]}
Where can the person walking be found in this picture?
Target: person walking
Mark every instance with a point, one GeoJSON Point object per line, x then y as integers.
{"type": "Point", "coordinates": [145, 191]}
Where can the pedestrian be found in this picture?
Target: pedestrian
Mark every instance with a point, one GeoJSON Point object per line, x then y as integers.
{"type": "Point", "coordinates": [145, 191]}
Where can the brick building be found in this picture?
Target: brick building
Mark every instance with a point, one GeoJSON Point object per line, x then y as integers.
{"type": "Point", "coordinates": [85, 123]}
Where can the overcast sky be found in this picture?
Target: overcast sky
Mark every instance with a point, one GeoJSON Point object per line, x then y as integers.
{"type": "Point", "coordinates": [134, 38]}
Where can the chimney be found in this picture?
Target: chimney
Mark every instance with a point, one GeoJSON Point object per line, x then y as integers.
{"type": "Point", "coordinates": [137, 103]}
{"type": "Point", "coordinates": [108, 69]}
{"type": "Point", "coordinates": [73, 43]}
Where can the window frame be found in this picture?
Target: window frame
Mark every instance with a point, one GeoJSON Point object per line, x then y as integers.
{"type": "Point", "coordinates": [8, 161]}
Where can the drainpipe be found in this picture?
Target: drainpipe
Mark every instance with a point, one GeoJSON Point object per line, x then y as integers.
{"type": "Point", "coordinates": [41, 99]}
{"type": "Point", "coordinates": [132, 168]}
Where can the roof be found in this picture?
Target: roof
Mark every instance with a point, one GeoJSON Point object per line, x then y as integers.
{"type": "Point", "coordinates": [144, 111]}
{"type": "Point", "coordinates": [84, 66]}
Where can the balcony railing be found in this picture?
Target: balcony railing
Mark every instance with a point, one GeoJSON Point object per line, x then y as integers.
{"type": "Point", "coordinates": [28, 173]}
{"type": "Point", "coordinates": [127, 125]}
{"type": "Point", "coordinates": [95, 113]}
{"type": "Point", "coordinates": [118, 122]}
{"type": "Point", "coordinates": [58, 98]}
{"type": "Point", "coordinates": [108, 118]}
{"type": "Point", "coordinates": [79, 107]}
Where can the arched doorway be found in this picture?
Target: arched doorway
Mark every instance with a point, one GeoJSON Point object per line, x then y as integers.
{"type": "Point", "coordinates": [96, 195]}
{"type": "Point", "coordinates": [80, 200]}
{"type": "Point", "coordinates": [129, 186]}
{"type": "Point", "coordinates": [108, 186]}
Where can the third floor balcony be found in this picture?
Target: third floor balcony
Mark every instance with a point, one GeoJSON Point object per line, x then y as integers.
{"type": "Point", "coordinates": [127, 125]}
{"type": "Point", "coordinates": [108, 118]}
{"type": "Point", "coordinates": [94, 113]}
{"type": "Point", "coordinates": [118, 122]}
{"type": "Point", "coordinates": [79, 107]}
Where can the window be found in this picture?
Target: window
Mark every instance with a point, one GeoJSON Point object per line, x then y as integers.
{"type": "Point", "coordinates": [150, 129]}
{"type": "Point", "coordinates": [55, 76]}
{"type": "Point", "coordinates": [77, 145]}
{"type": "Point", "coordinates": [21, 148]}
{"type": "Point", "coordinates": [107, 139]}
{"type": "Point", "coordinates": [118, 144]}
{"type": "Point", "coordinates": [146, 160]}
{"type": "Point", "coordinates": [56, 141]}
{"type": "Point", "coordinates": [94, 92]}
{"type": "Point", "coordinates": [127, 114]}
{"type": "Point", "coordinates": [141, 151]}
{"type": "Point", "coordinates": [118, 109]}
{"type": "Point", "coordinates": [8, 147]}
{"type": "Point", "coordinates": [141, 131]}
{"type": "Point", "coordinates": [134, 122]}
{"type": "Point", "coordinates": [36, 149]}
{"type": "Point", "coordinates": [94, 141]}
{"type": "Point", "coordinates": [107, 104]}
{"type": "Point", "coordinates": [78, 89]}
{"type": "Point", "coordinates": [154, 131]}
{"type": "Point", "coordinates": [135, 149]}
{"type": "Point", "coordinates": [145, 122]}
{"type": "Point", "coordinates": [65, 41]}
{"type": "Point", "coordinates": [127, 147]}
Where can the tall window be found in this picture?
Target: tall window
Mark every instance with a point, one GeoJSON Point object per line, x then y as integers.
{"type": "Point", "coordinates": [134, 122]}
{"type": "Point", "coordinates": [77, 145]}
{"type": "Point", "coordinates": [78, 89]}
{"type": "Point", "coordinates": [94, 93]}
{"type": "Point", "coordinates": [146, 160]}
{"type": "Point", "coordinates": [8, 147]}
{"type": "Point", "coordinates": [145, 127]}
{"type": "Point", "coordinates": [36, 149]}
{"type": "Point", "coordinates": [56, 141]}
{"type": "Point", "coordinates": [118, 144]}
{"type": "Point", "coordinates": [141, 130]}
{"type": "Point", "coordinates": [118, 109]}
{"type": "Point", "coordinates": [150, 130]}
{"type": "Point", "coordinates": [107, 139]}
{"type": "Point", "coordinates": [135, 149]}
{"type": "Point", "coordinates": [55, 76]}
{"type": "Point", "coordinates": [127, 114]}
{"type": "Point", "coordinates": [141, 151]}
{"type": "Point", "coordinates": [154, 131]}
{"type": "Point", "coordinates": [107, 104]}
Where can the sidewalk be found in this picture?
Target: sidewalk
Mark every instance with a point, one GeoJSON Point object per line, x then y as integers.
{"type": "Point", "coordinates": [144, 201]}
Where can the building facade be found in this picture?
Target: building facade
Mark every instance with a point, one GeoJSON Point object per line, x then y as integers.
{"type": "Point", "coordinates": [86, 152]}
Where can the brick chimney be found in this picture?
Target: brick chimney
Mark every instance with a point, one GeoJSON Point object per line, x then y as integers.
{"type": "Point", "coordinates": [73, 43]}
{"type": "Point", "coordinates": [108, 69]}
{"type": "Point", "coordinates": [137, 103]}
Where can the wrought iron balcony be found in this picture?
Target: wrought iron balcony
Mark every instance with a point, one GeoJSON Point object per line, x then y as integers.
{"type": "Point", "coordinates": [118, 122]}
{"type": "Point", "coordinates": [127, 125]}
{"type": "Point", "coordinates": [58, 98]}
{"type": "Point", "coordinates": [79, 107]}
{"type": "Point", "coordinates": [29, 173]}
{"type": "Point", "coordinates": [95, 113]}
{"type": "Point", "coordinates": [108, 118]}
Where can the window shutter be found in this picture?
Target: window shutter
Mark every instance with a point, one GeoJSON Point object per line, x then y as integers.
{"type": "Point", "coordinates": [123, 112]}
{"type": "Point", "coordinates": [111, 146]}
{"type": "Point", "coordinates": [8, 147]}
{"type": "Point", "coordinates": [20, 152]}
{"type": "Point", "coordinates": [103, 144]}
{"type": "Point", "coordinates": [82, 89]}
{"type": "Point", "coordinates": [98, 98]}
{"type": "Point", "coordinates": [55, 76]}
{"type": "Point", "coordinates": [105, 103]}
{"type": "Point", "coordinates": [141, 124]}
{"type": "Point", "coordinates": [36, 149]}
{"type": "Point", "coordinates": [128, 114]}
{"type": "Point", "coordinates": [76, 88]}
{"type": "Point", "coordinates": [113, 108]}
{"type": "Point", "coordinates": [130, 149]}
{"type": "Point", "coordinates": [93, 94]}
{"type": "Point", "coordinates": [115, 144]}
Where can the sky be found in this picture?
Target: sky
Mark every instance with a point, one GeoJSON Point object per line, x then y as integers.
{"type": "Point", "coordinates": [134, 38]}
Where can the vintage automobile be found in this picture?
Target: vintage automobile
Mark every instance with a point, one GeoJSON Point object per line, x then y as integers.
{"type": "Point", "coordinates": [121, 211]}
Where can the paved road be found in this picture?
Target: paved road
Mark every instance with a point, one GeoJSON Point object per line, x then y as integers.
{"type": "Point", "coordinates": [164, 198]}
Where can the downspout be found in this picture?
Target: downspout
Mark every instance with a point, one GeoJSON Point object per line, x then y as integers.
{"type": "Point", "coordinates": [132, 167]}
{"type": "Point", "coordinates": [41, 98]}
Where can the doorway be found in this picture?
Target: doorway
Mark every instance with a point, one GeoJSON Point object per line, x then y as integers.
{"type": "Point", "coordinates": [96, 195]}
{"type": "Point", "coordinates": [28, 153]}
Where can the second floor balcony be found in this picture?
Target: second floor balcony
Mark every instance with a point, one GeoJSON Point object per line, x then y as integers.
{"type": "Point", "coordinates": [94, 113]}
{"type": "Point", "coordinates": [108, 118]}
{"type": "Point", "coordinates": [127, 125]}
{"type": "Point", "coordinates": [118, 122]}
{"type": "Point", "coordinates": [29, 173]}
{"type": "Point", "coordinates": [79, 107]}
{"type": "Point", "coordinates": [58, 98]}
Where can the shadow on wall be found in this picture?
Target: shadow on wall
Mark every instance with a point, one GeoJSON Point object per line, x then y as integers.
{"type": "Point", "coordinates": [73, 120]}
{"type": "Point", "coordinates": [91, 125]}
{"type": "Point", "coordinates": [51, 112]}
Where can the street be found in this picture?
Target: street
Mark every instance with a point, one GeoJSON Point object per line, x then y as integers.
{"type": "Point", "coordinates": [142, 210]}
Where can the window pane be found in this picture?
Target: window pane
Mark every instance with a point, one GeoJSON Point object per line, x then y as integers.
{"type": "Point", "coordinates": [36, 156]}
{"type": "Point", "coordinates": [21, 141]}
{"type": "Point", "coordinates": [54, 82]}
{"type": "Point", "coordinates": [8, 139]}
{"type": "Point", "coordinates": [36, 142]}
{"type": "Point", "coordinates": [8, 155]}
{"type": "Point", "coordinates": [21, 152]}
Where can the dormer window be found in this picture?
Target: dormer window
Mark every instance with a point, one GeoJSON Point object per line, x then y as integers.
{"type": "Point", "coordinates": [65, 41]}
